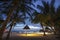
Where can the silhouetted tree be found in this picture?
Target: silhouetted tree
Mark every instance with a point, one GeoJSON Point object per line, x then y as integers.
{"type": "Point", "coordinates": [23, 5]}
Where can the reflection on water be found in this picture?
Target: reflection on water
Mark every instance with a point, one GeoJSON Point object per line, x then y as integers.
{"type": "Point", "coordinates": [30, 32]}
{"type": "Point", "coordinates": [34, 34]}
{"type": "Point", "coordinates": [24, 31]}
{"type": "Point", "coordinates": [30, 35]}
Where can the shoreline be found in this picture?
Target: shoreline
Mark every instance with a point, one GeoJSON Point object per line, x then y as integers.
{"type": "Point", "coordinates": [17, 36]}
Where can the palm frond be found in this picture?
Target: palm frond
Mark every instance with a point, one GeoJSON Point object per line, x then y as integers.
{"type": "Point", "coordinates": [40, 7]}
{"type": "Point", "coordinates": [52, 2]}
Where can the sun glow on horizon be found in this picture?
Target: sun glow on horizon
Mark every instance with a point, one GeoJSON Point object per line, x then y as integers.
{"type": "Point", "coordinates": [30, 35]}
{"type": "Point", "coordinates": [33, 34]}
{"type": "Point", "coordinates": [31, 27]}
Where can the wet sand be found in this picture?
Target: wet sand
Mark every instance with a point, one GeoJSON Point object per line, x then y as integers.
{"type": "Point", "coordinates": [16, 36]}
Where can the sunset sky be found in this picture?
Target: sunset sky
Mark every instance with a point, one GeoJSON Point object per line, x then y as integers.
{"type": "Point", "coordinates": [31, 25]}
{"type": "Point", "coordinates": [57, 3]}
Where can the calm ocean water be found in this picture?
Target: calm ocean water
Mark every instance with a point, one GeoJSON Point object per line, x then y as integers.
{"type": "Point", "coordinates": [24, 30]}
{"type": "Point", "coordinates": [21, 30]}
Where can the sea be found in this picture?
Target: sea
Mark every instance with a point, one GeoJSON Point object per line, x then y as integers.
{"type": "Point", "coordinates": [21, 30]}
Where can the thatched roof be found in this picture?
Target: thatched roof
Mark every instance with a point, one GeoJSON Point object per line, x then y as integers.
{"type": "Point", "coordinates": [26, 27]}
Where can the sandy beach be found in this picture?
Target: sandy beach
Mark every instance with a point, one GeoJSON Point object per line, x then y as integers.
{"type": "Point", "coordinates": [17, 36]}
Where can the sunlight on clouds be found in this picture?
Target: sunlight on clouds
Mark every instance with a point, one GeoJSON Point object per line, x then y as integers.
{"type": "Point", "coordinates": [31, 26]}
{"type": "Point", "coordinates": [34, 27]}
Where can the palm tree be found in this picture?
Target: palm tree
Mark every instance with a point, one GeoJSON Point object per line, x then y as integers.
{"type": "Point", "coordinates": [8, 18]}
{"type": "Point", "coordinates": [47, 14]}
{"type": "Point", "coordinates": [1, 20]}
{"type": "Point", "coordinates": [13, 6]}
{"type": "Point", "coordinates": [15, 20]}
{"type": "Point", "coordinates": [42, 17]}
{"type": "Point", "coordinates": [57, 20]}
{"type": "Point", "coordinates": [39, 18]}
{"type": "Point", "coordinates": [49, 11]}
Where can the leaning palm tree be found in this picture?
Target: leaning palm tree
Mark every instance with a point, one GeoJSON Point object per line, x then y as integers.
{"type": "Point", "coordinates": [42, 17]}
{"type": "Point", "coordinates": [47, 14]}
{"type": "Point", "coordinates": [1, 20]}
{"type": "Point", "coordinates": [14, 21]}
{"type": "Point", "coordinates": [57, 20]}
{"type": "Point", "coordinates": [39, 18]}
{"type": "Point", "coordinates": [8, 18]}
{"type": "Point", "coordinates": [12, 7]}
{"type": "Point", "coordinates": [49, 11]}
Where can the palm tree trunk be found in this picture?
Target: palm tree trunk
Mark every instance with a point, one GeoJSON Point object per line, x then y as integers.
{"type": "Point", "coordinates": [54, 28]}
{"type": "Point", "coordinates": [5, 23]}
{"type": "Point", "coordinates": [43, 28]}
{"type": "Point", "coordinates": [8, 19]}
{"type": "Point", "coordinates": [54, 31]}
{"type": "Point", "coordinates": [44, 31]}
{"type": "Point", "coordinates": [8, 35]}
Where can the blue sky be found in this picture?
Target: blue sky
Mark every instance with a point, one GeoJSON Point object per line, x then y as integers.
{"type": "Point", "coordinates": [57, 3]}
{"type": "Point", "coordinates": [31, 25]}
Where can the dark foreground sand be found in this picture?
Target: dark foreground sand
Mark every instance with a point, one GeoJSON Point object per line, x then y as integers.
{"type": "Point", "coordinates": [14, 36]}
